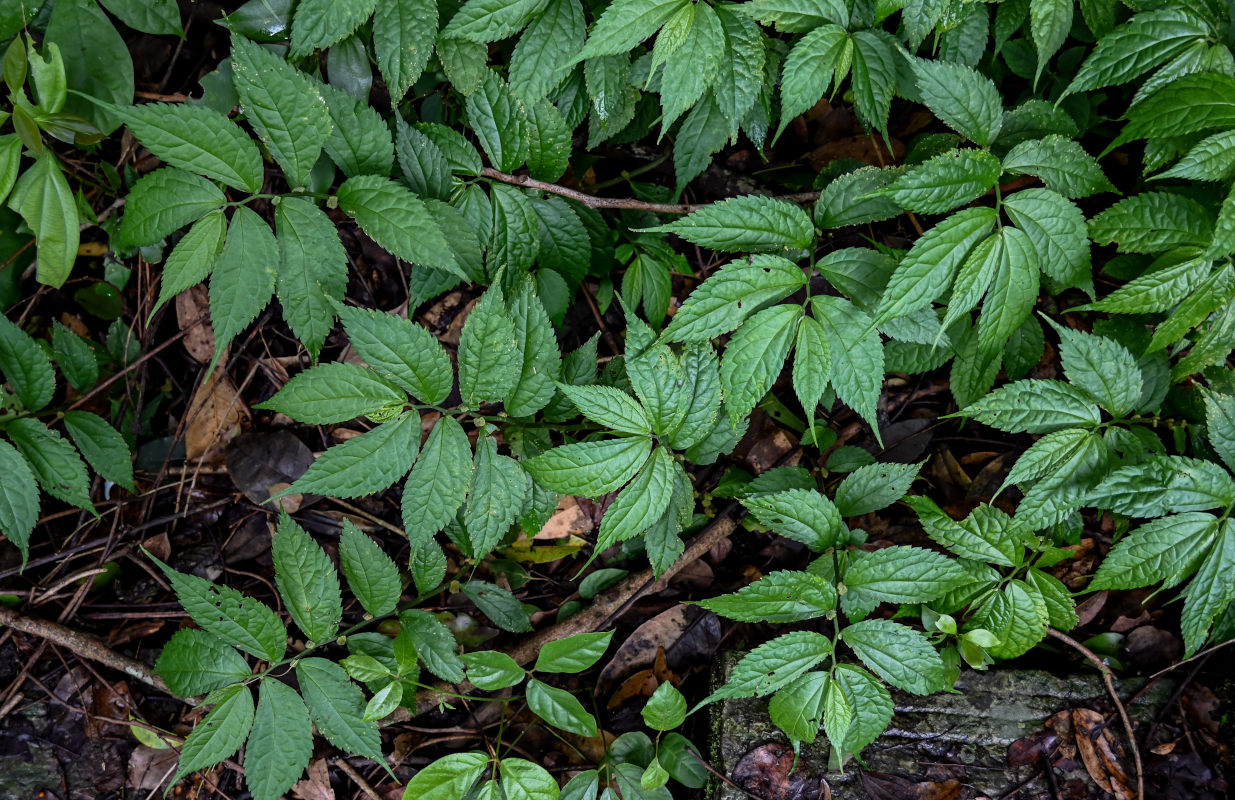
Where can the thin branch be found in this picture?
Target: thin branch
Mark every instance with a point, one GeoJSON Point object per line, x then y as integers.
{"type": "Point", "coordinates": [626, 203]}
{"type": "Point", "coordinates": [1109, 678]}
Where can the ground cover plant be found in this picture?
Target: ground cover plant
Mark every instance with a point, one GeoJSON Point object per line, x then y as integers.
{"type": "Point", "coordinates": [537, 320]}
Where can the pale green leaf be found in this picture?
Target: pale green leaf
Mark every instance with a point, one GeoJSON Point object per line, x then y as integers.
{"type": "Point", "coordinates": [946, 181]}
{"type": "Point", "coordinates": [19, 498]}
{"type": "Point", "coordinates": [782, 596]}
{"type": "Point", "coordinates": [335, 392]}
{"type": "Point", "coordinates": [1035, 406]}
{"type": "Point", "coordinates": [193, 257]}
{"type": "Point", "coordinates": [900, 655]}
{"type": "Point", "coordinates": [43, 199]}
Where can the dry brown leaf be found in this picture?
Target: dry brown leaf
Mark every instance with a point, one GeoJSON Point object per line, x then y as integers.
{"type": "Point", "coordinates": [191, 305]}
{"type": "Point", "coordinates": [1101, 753]}
{"type": "Point", "coordinates": [214, 416]}
{"type": "Point", "coordinates": [317, 785]}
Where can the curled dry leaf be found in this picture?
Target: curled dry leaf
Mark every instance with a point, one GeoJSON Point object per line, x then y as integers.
{"type": "Point", "coordinates": [1102, 753]}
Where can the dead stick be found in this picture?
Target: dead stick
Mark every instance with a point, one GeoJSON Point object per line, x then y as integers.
{"type": "Point", "coordinates": [627, 203]}
{"type": "Point", "coordinates": [1109, 678]}
{"type": "Point", "coordinates": [84, 645]}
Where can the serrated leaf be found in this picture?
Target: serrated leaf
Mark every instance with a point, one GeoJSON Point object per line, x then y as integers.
{"type": "Point", "coordinates": [1060, 609]}
{"type": "Point", "coordinates": [800, 514]}
{"type": "Point", "coordinates": [900, 655]}
{"type": "Point", "coordinates": [1152, 222]}
{"type": "Point", "coordinates": [871, 702]}
{"type": "Point", "coordinates": [1213, 293]}
{"type": "Point", "coordinates": [448, 778]}
{"type": "Point", "coordinates": [550, 41]}
{"type": "Point", "coordinates": [195, 662]}
{"type": "Point", "coordinates": [746, 224]}
{"type": "Point", "coordinates": [494, 497]}
{"type": "Point", "coordinates": [313, 269]}
{"type": "Point", "coordinates": [220, 734]}
{"type": "Point", "coordinates": [500, 122]}
{"type": "Point", "coordinates": [403, 35]}
{"type": "Point", "coordinates": [434, 644]}
{"type": "Point", "coordinates": [965, 100]}
{"type": "Point", "coordinates": [193, 257]}
{"type": "Point", "coordinates": [19, 498]}
{"type": "Point", "coordinates": [590, 469]}
{"type": "Point", "coordinates": [1211, 159]}
{"type": "Point", "coordinates": [1101, 367]}
{"type": "Point", "coordinates": [987, 534]}
{"type": "Point", "coordinates": [490, 20]}
{"type": "Point", "coordinates": [318, 24]}
{"type": "Point", "coordinates": [1147, 40]}
{"type": "Point", "coordinates": [702, 390]}
{"type": "Point", "coordinates": [1164, 284]}
{"type": "Point", "coordinates": [359, 142]}
{"type": "Point", "coordinates": [946, 181]}
{"type": "Point", "coordinates": [281, 743]}
{"type": "Point", "coordinates": [335, 392]}
{"type": "Point", "coordinates": [1016, 614]}
{"type": "Point", "coordinates": [25, 366]}
{"type": "Point", "coordinates": [774, 665]}
{"type": "Point", "coordinates": [740, 81]}
{"type": "Point", "coordinates": [624, 24]}
{"type": "Point", "coordinates": [701, 134]}
{"type": "Point", "coordinates": [690, 70]}
{"type": "Point", "coordinates": [1163, 484]}
{"type": "Point", "coordinates": [102, 446]}
{"type": "Point", "coordinates": [244, 276]}
{"type": "Point", "coordinates": [401, 351]}
{"type": "Point", "coordinates": [398, 221]}
{"type": "Point", "coordinates": [897, 574]}
{"type": "Point", "coordinates": [609, 407]}
{"type": "Point", "coordinates": [198, 139]}
{"type": "Point", "coordinates": [854, 198]}
{"type": "Point", "coordinates": [537, 355]}
{"type": "Point", "coordinates": [438, 483]}
{"type": "Point", "coordinates": [873, 487]}
{"type": "Point", "coordinates": [1168, 549]}
{"type": "Point", "coordinates": [238, 620]}
{"type": "Point", "coordinates": [726, 298]}
{"type": "Point", "coordinates": [365, 464]}
{"type": "Point", "coordinates": [336, 707]}
{"type": "Point", "coordinates": [1012, 293]}
{"type": "Point", "coordinates": [857, 354]}
{"type": "Point", "coordinates": [755, 356]}
{"type": "Point", "coordinates": [499, 605]}
{"type": "Point", "coordinates": [1061, 163]}
{"type": "Point", "coordinates": [282, 105]}
{"type": "Point", "coordinates": [164, 201]}
{"type": "Point", "coordinates": [875, 56]}
{"type": "Point", "coordinates": [1035, 406]}
{"type": "Point", "coordinates": [1188, 104]}
{"type": "Point", "coordinates": [1056, 228]}
{"type": "Point", "coordinates": [307, 581]}
{"type": "Point", "coordinates": [642, 502]}
{"type": "Point", "coordinates": [1053, 497]}
{"type": "Point", "coordinates": [1211, 591]}
{"type": "Point", "coordinates": [809, 69]}
{"type": "Point", "coordinates": [371, 574]}
{"type": "Point", "coordinates": [488, 368]}
{"type": "Point", "coordinates": [782, 596]}
{"type": "Point", "coordinates": [797, 709]}
{"type": "Point", "coordinates": [812, 364]}
{"type": "Point", "coordinates": [424, 166]}
{"type": "Point", "coordinates": [515, 241]}
{"type": "Point", "coordinates": [658, 378]}
{"type": "Point", "coordinates": [55, 463]}
{"type": "Point", "coordinates": [1049, 23]}
{"type": "Point", "coordinates": [1220, 425]}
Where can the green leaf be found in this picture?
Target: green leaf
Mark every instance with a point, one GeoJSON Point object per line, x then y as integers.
{"type": "Point", "coordinates": [897, 574]}
{"type": "Point", "coordinates": [1035, 406]}
{"type": "Point", "coordinates": [244, 276]}
{"type": "Point", "coordinates": [857, 354]}
{"type": "Point", "coordinates": [1163, 484]}
{"type": "Point", "coordinates": [238, 620]}
{"type": "Point", "coordinates": [1061, 163]}
{"type": "Point", "coordinates": [873, 487]}
{"type": "Point", "coordinates": [400, 351]}
{"type": "Point", "coordinates": [1210, 159]}
{"type": "Point", "coordinates": [1012, 293]}
{"type": "Point", "coordinates": [782, 596]}
{"type": "Point", "coordinates": [424, 166]}
{"type": "Point", "coordinates": [1017, 615]}
{"type": "Point", "coordinates": [702, 392]}
{"type": "Point", "coordinates": [1168, 549]}
{"type": "Point", "coordinates": [55, 463]}
{"type": "Point", "coordinates": [487, 349]}
{"type": "Point", "coordinates": [158, 17]}
{"type": "Point", "coordinates": [359, 141]}
{"type": "Point", "coordinates": [549, 141]}
{"type": "Point", "coordinates": [194, 256]}
{"type": "Point", "coordinates": [875, 57]}
{"type": "Point", "coordinates": [307, 581]}
{"type": "Point", "coordinates": [383, 702]}
{"type": "Point", "coordinates": [553, 38]}
{"type": "Point", "coordinates": [812, 364]}
{"type": "Point", "coordinates": [220, 734]}
{"type": "Point", "coordinates": [590, 469]}
{"type": "Point", "coordinates": [489, 20]}
{"type": "Point", "coordinates": [449, 778]}
{"type": "Point", "coordinates": [438, 483]}
{"type": "Point", "coordinates": [398, 221]}
{"type": "Point", "coordinates": [199, 140]}
{"type": "Point", "coordinates": [75, 358]}
{"type": "Point", "coordinates": [665, 709]}
{"type": "Point", "coordinates": [494, 497]}
{"type": "Point", "coordinates": [755, 356]}
{"type": "Point", "coordinates": [626, 23]}
{"type": "Point", "coordinates": [434, 644]}
{"type": "Point", "coordinates": [336, 392]}
{"type": "Point", "coordinates": [403, 35]}
{"type": "Point", "coordinates": [365, 464]}
{"type": "Point", "coordinates": [370, 573]}
{"type": "Point", "coordinates": [25, 366]}
{"type": "Point", "coordinates": [500, 121]}
{"type": "Point", "coordinates": [1147, 40]}
{"type": "Point", "coordinates": [1210, 592]}
{"type": "Point", "coordinates": [927, 270]}
{"type": "Point", "coordinates": [1220, 425]}
{"type": "Point", "coordinates": [559, 708]}
{"type": "Point", "coordinates": [965, 100]}
{"type": "Point", "coordinates": [642, 503]}
{"type": "Point", "coordinates": [797, 709]}
{"type": "Point", "coordinates": [19, 498]}
{"type": "Point", "coordinates": [43, 199]}
{"type": "Point", "coordinates": [523, 780]}
{"type": "Point", "coordinates": [1060, 610]}
{"type": "Point", "coordinates": [1101, 367]}
{"type": "Point", "coordinates": [313, 269]}
{"type": "Point", "coordinates": [609, 407]}
{"type": "Point", "coordinates": [987, 534]}
{"type": "Point", "coordinates": [701, 134]}
{"type": "Point", "coordinates": [195, 662]}
{"type": "Point", "coordinates": [774, 665]}
{"type": "Point", "coordinates": [1151, 222]}
{"type": "Point", "coordinates": [1053, 497]}
{"type": "Point", "coordinates": [515, 241]}
{"type": "Point", "coordinates": [102, 445]}
{"type": "Point", "coordinates": [1164, 284]}
{"type": "Point", "coordinates": [537, 355]}
{"type": "Point", "coordinates": [901, 656]}
{"type": "Point", "coordinates": [1056, 228]}
{"type": "Point", "coordinates": [320, 23]}
{"type": "Point", "coordinates": [746, 224]}
{"type": "Point", "coordinates": [490, 670]}
{"type": "Point", "coordinates": [946, 181]}
{"type": "Point", "coordinates": [336, 707]}
{"type": "Point", "coordinates": [283, 106]}
{"type": "Point", "coordinates": [97, 63]}
{"type": "Point", "coordinates": [871, 702]}
{"type": "Point", "coordinates": [809, 69]}
{"type": "Point", "coordinates": [499, 605]}
{"type": "Point", "coordinates": [854, 198]}
{"type": "Point", "coordinates": [1049, 23]}
{"type": "Point", "coordinates": [1188, 104]}
{"type": "Point", "coordinates": [692, 67]}
{"type": "Point", "coordinates": [726, 298]}
{"type": "Point", "coordinates": [573, 653]}
{"type": "Point", "coordinates": [164, 201]}
{"type": "Point", "coordinates": [1213, 293]}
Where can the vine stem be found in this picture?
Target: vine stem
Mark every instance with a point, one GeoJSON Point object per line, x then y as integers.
{"type": "Point", "coordinates": [1109, 678]}
{"type": "Point", "coordinates": [621, 203]}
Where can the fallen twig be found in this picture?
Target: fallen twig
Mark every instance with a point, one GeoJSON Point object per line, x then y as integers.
{"type": "Point", "coordinates": [1109, 678]}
